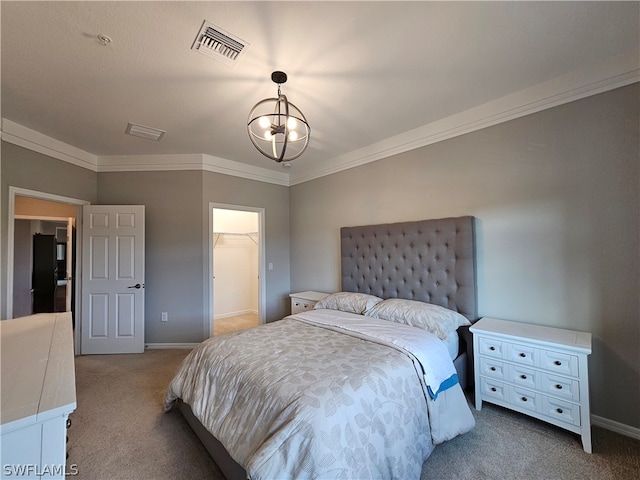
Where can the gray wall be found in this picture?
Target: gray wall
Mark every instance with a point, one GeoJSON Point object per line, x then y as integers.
{"type": "Point", "coordinates": [274, 199]}
{"type": "Point", "coordinates": [173, 249]}
{"type": "Point", "coordinates": [177, 239]}
{"type": "Point", "coordinates": [556, 196]}
{"type": "Point", "coordinates": [33, 171]}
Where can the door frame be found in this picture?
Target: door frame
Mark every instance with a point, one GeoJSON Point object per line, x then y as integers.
{"type": "Point", "coordinates": [261, 265]}
{"type": "Point", "coordinates": [11, 210]}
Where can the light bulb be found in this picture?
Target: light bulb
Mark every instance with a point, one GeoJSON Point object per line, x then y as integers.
{"type": "Point", "coordinates": [264, 122]}
{"type": "Point", "coordinates": [293, 136]}
{"type": "Point", "coordinates": [268, 136]}
{"type": "Point", "coordinates": [291, 123]}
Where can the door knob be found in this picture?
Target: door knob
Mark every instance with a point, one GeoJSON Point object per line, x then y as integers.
{"type": "Point", "coordinates": [137, 285]}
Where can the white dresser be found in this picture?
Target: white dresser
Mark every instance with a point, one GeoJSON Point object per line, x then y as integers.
{"type": "Point", "coordinates": [38, 394]}
{"type": "Point", "coordinates": [536, 370]}
{"type": "Point", "coordinates": [303, 301]}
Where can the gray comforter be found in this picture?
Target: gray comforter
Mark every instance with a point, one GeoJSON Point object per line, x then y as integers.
{"type": "Point", "coordinates": [295, 399]}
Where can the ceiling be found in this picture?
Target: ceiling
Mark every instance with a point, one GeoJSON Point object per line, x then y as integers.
{"type": "Point", "coordinates": [372, 78]}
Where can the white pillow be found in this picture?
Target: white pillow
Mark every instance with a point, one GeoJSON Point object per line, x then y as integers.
{"type": "Point", "coordinates": [348, 302]}
{"type": "Point", "coordinates": [435, 319]}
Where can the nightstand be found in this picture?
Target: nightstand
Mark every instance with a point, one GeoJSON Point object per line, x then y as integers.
{"type": "Point", "coordinates": [303, 301]}
{"type": "Point", "coordinates": [536, 370]}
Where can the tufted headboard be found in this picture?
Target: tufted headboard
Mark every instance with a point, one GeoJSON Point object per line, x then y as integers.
{"type": "Point", "coordinates": [431, 261]}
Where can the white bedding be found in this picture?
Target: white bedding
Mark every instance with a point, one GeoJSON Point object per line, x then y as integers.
{"type": "Point", "coordinates": [310, 397]}
{"type": "Point", "coordinates": [453, 345]}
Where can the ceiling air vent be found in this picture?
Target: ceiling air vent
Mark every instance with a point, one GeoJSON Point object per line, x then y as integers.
{"type": "Point", "coordinates": [219, 44]}
{"type": "Point", "coordinates": [144, 132]}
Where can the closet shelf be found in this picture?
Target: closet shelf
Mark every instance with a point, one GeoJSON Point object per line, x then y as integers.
{"type": "Point", "coordinates": [249, 235]}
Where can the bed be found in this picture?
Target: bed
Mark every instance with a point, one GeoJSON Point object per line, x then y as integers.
{"type": "Point", "coordinates": [365, 385]}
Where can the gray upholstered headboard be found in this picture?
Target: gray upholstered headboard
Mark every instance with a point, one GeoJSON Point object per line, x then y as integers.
{"type": "Point", "coordinates": [431, 261]}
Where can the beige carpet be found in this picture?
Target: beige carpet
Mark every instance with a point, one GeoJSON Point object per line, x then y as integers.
{"type": "Point", "coordinates": [119, 432]}
{"type": "Point", "coordinates": [235, 323]}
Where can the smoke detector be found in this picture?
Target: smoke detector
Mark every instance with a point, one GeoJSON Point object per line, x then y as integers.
{"type": "Point", "coordinates": [217, 43]}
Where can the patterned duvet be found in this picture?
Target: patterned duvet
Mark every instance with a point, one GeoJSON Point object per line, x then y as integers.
{"type": "Point", "coordinates": [300, 399]}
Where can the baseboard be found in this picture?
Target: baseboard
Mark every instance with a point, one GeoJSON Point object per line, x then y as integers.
{"type": "Point", "coordinates": [616, 427]}
{"type": "Point", "coordinates": [158, 346]}
{"type": "Point", "coordinates": [233, 314]}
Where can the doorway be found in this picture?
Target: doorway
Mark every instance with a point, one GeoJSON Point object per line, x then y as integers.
{"type": "Point", "coordinates": [237, 290]}
{"type": "Point", "coordinates": [42, 261]}
{"type": "Point", "coordinates": [31, 205]}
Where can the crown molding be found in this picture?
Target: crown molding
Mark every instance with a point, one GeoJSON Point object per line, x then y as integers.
{"type": "Point", "coordinates": [616, 72]}
{"type": "Point", "coordinates": [194, 161]}
{"type": "Point", "coordinates": [21, 136]}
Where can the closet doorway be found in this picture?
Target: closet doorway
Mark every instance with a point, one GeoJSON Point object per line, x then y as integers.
{"type": "Point", "coordinates": [236, 268]}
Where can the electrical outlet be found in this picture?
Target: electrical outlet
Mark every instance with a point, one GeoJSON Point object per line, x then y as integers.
{"type": "Point", "coordinates": [165, 317]}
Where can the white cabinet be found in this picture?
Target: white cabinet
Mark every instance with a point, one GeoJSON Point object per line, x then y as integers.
{"type": "Point", "coordinates": [38, 394]}
{"type": "Point", "coordinates": [536, 370]}
{"type": "Point", "coordinates": [303, 301]}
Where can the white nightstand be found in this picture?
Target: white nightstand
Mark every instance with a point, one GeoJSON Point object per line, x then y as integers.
{"type": "Point", "coordinates": [536, 370]}
{"type": "Point", "coordinates": [303, 301]}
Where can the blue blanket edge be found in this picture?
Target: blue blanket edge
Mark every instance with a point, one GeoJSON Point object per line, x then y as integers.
{"type": "Point", "coordinates": [448, 383]}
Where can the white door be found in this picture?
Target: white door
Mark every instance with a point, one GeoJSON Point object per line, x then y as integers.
{"type": "Point", "coordinates": [113, 279]}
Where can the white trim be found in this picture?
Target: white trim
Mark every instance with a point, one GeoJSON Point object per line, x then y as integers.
{"type": "Point", "coordinates": [617, 427]}
{"type": "Point", "coordinates": [30, 139]}
{"type": "Point", "coordinates": [262, 280]}
{"type": "Point", "coordinates": [41, 217]}
{"type": "Point", "coordinates": [237, 169]}
{"type": "Point", "coordinates": [193, 161]}
{"type": "Point", "coordinates": [160, 346]}
{"type": "Point", "coordinates": [234, 314]}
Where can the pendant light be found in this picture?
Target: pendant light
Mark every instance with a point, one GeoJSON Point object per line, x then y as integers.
{"type": "Point", "coordinates": [276, 127]}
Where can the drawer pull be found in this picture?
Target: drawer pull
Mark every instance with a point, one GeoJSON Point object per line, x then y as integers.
{"type": "Point", "coordinates": [523, 355]}
{"type": "Point", "coordinates": [492, 348]}
{"type": "Point", "coordinates": [559, 410]}
{"type": "Point", "coordinates": [524, 377]}
{"type": "Point", "coordinates": [493, 369]}
{"type": "Point", "coordinates": [558, 386]}
{"type": "Point", "coordinates": [558, 362]}
{"type": "Point", "coordinates": [68, 423]}
{"type": "Point", "coordinates": [524, 399]}
{"type": "Point", "coordinates": [493, 389]}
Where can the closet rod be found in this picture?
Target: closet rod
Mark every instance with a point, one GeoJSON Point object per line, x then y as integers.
{"type": "Point", "coordinates": [248, 234]}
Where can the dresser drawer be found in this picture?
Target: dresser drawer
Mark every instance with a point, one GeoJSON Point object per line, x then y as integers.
{"type": "Point", "coordinates": [491, 347]}
{"type": "Point", "coordinates": [493, 368]}
{"type": "Point", "coordinates": [525, 399]}
{"type": "Point", "coordinates": [494, 389]}
{"type": "Point", "coordinates": [560, 387]}
{"type": "Point", "coordinates": [562, 411]}
{"type": "Point", "coordinates": [522, 354]}
{"type": "Point", "coordinates": [298, 305]}
{"type": "Point", "coordinates": [524, 376]}
{"type": "Point", "coordinates": [558, 362]}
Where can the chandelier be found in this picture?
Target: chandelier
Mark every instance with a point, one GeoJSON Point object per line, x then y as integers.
{"type": "Point", "coordinates": [277, 128]}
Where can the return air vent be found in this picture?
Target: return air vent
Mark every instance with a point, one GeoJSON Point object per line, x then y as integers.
{"type": "Point", "coordinates": [141, 131]}
{"type": "Point", "coordinates": [219, 44]}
